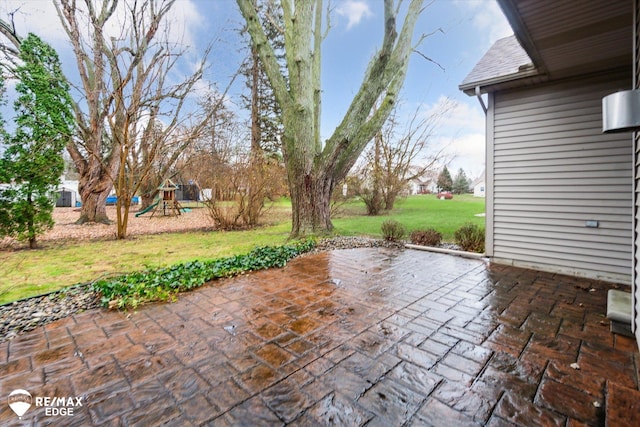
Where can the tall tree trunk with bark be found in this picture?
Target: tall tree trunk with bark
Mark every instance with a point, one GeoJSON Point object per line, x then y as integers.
{"type": "Point", "coordinates": [93, 194]}
{"type": "Point", "coordinates": [95, 182]}
{"type": "Point", "coordinates": [95, 170]}
{"type": "Point", "coordinates": [95, 155]}
{"type": "Point", "coordinates": [256, 147]}
{"type": "Point", "coordinates": [313, 169]}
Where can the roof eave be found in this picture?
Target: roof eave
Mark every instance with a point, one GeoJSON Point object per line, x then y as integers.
{"type": "Point", "coordinates": [487, 84]}
{"type": "Point", "coordinates": [510, 11]}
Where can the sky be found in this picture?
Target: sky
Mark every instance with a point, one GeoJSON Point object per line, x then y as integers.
{"type": "Point", "coordinates": [460, 32]}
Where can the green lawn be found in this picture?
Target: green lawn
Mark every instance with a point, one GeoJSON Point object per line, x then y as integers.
{"type": "Point", "coordinates": [28, 273]}
{"type": "Point", "coordinates": [415, 212]}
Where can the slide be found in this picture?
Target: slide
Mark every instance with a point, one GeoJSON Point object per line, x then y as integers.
{"type": "Point", "coordinates": [147, 209]}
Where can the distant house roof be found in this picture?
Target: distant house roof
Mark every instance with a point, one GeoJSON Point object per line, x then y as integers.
{"type": "Point", "coordinates": [478, 180]}
{"type": "Point", "coordinates": [506, 60]}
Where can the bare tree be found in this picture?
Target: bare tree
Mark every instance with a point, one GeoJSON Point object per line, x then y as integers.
{"type": "Point", "coordinates": [217, 145]}
{"type": "Point", "coordinates": [131, 120]}
{"type": "Point", "coordinates": [400, 153]}
{"type": "Point", "coordinates": [314, 168]}
{"type": "Point", "coordinates": [11, 50]}
{"type": "Point", "coordinates": [240, 189]}
{"type": "Point", "coordinates": [239, 178]}
{"type": "Point", "coordinates": [168, 151]}
{"type": "Point", "coordinates": [130, 111]}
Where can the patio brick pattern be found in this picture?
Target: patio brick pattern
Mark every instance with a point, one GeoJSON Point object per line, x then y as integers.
{"type": "Point", "coordinates": [375, 337]}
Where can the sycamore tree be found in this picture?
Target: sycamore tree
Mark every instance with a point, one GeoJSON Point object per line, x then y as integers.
{"type": "Point", "coordinates": [135, 119]}
{"type": "Point", "coordinates": [122, 79]}
{"type": "Point", "coordinates": [32, 161]}
{"type": "Point", "coordinates": [314, 167]}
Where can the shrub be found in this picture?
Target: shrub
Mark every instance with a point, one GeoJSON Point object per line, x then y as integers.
{"type": "Point", "coordinates": [429, 237]}
{"type": "Point", "coordinates": [470, 237]}
{"type": "Point", "coordinates": [392, 230]}
{"type": "Point", "coordinates": [373, 200]}
{"type": "Point", "coordinates": [241, 190]}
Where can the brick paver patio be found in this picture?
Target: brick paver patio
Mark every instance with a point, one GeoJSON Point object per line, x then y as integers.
{"type": "Point", "coordinates": [374, 337]}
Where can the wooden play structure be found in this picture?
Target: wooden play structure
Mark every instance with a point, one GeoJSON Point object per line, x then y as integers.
{"type": "Point", "coordinates": [167, 203]}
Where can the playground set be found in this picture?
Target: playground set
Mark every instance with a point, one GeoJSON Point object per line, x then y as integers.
{"type": "Point", "coordinates": [166, 202]}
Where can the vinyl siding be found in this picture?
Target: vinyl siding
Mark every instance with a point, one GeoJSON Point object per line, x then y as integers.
{"type": "Point", "coordinates": [553, 170]}
{"type": "Point", "coordinates": [636, 184]}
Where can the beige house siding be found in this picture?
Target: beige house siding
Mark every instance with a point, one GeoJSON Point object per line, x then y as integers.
{"type": "Point", "coordinates": [553, 171]}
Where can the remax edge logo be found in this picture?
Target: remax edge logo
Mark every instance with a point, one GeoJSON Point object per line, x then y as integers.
{"type": "Point", "coordinates": [21, 400]}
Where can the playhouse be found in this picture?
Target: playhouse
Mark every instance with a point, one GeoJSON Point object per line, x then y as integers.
{"type": "Point", "coordinates": [166, 202]}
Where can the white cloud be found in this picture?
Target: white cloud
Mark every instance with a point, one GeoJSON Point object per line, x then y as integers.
{"type": "Point", "coordinates": [487, 18]}
{"type": "Point", "coordinates": [468, 153]}
{"type": "Point", "coordinates": [178, 26]}
{"type": "Point", "coordinates": [40, 17]}
{"type": "Point", "coordinates": [460, 134]}
{"type": "Point", "coordinates": [185, 20]}
{"type": "Point", "coordinates": [456, 116]}
{"type": "Point", "coordinates": [354, 11]}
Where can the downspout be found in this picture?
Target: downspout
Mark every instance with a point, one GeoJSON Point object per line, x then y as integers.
{"type": "Point", "coordinates": [482, 104]}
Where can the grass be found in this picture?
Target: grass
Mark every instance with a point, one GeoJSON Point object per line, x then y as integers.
{"type": "Point", "coordinates": [29, 273]}
{"type": "Point", "coordinates": [415, 212]}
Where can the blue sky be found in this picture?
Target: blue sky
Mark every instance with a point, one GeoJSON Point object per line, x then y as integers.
{"type": "Point", "coordinates": [468, 27]}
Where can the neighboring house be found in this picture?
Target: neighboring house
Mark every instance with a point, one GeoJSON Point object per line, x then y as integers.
{"type": "Point", "coordinates": [478, 186]}
{"type": "Point", "coordinates": [424, 184]}
{"type": "Point", "coordinates": [560, 193]}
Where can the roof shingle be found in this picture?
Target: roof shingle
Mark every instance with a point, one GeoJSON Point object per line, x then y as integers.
{"type": "Point", "coordinates": [505, 59]}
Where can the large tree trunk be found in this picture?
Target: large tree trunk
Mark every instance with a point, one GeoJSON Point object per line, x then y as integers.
{"type": "Point", "coordinates": [310, 204]}
{"type": "Point", "coordinates": [94, 188]}
{"type": "Point", "coordinates": [94, 206]}
{"type": "Point", "coordinates": [313, 168]}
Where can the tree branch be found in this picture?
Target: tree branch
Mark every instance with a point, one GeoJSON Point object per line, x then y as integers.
{"type": "Point", "coordinates": [267, 55]}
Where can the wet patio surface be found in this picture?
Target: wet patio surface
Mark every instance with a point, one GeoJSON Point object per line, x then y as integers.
{"type": "Point", "coordinates": [374, 337]}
